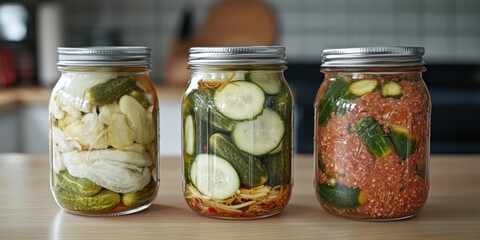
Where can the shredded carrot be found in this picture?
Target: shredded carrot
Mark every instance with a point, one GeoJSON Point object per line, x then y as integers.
{"type": "Point", "coordinates": [253, 202]}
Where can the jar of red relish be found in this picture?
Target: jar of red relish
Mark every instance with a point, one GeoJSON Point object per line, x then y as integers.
{"type": "Point", "coordinates": [372, 133]}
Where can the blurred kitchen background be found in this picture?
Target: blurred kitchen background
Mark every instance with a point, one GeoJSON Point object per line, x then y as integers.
{"type": "Point", "coordinates": [31, 30]}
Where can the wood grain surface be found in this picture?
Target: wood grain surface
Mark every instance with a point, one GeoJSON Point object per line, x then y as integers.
{"type": "Point", "coordinates": [28, 211]}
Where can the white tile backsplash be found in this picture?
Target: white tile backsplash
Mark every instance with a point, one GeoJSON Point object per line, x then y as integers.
{"type": "Point", "coordinates": [449, 29]}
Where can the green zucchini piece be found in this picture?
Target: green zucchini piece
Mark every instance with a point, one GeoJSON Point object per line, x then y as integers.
{"type": "Point", "coordinates": [362, 87]}
{"type": "Point", "coordinates": [259, 136]}
{"type": "Point", "coordinates": [214, 176]}
{"type": "Point", "coordinates": [336, 99]}
{"type": "Point", "coordinates": [392, 89]}
{"type": "Point", "coordinates": [340, 196]}
{"type": "Point", "coordinates": [405, 144]}
{"type": "Point", "coordinates": [81, 186]}
{"type": "Point", "coordinates": [110, 91]}
{"type": "Point", "coordinates": [201, 101]}
{"type": "Point", "coordinates": [189, 135]}
{"type": "Point", "coordinates": [268, 81]}
{"type": "Point", "coordinates": [240, 100]}
{"type": "Point", "coordinates": [374, 138]}
{"type": "Point", "coordinates": [250, 169]}
{"type": "Point", "coordinates": [102, 201]}
{"type": "Point", "coordinates": [279, 168]}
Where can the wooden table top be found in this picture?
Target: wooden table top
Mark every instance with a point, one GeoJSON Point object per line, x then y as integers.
{"type": "Point", "coordinates": [28, 211]}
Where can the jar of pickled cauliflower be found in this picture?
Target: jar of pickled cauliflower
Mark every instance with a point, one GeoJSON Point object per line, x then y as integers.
{"type": "Point", "coordinates": [372, 133]}
{"type": "Point", "coordinates": [103, 131]}
{"type": "Point", "coordinates": [237, 114]}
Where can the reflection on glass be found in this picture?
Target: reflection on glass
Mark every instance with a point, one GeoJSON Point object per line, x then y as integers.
{"type": "Point", "coordinates": [13, 22]}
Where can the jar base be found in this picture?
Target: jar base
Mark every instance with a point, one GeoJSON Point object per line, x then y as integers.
{"type": "Point", "coordinates": [379, 219]}
{"type": "Point", "coordinates": [240, 218]}
{"type": "Point", "coordinates": [108, 214]}
{"type": "Point", "coordinates": [366, 219]}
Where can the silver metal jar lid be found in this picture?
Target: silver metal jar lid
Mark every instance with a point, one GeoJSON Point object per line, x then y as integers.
{"type": "Point", "coordinates": [254, 55]}
{"type": "Point", "coordinates": [373, 57]}
{"type": "Point", "coordinates": [104, 56]}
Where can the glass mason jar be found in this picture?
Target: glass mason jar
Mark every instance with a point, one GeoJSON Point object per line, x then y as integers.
{"type": "Point", "coordinates": [103, 131]}
{"type": "Point", "coordinates": [372, 133]}
{"type": "Point", "coordinates": [237, 114]}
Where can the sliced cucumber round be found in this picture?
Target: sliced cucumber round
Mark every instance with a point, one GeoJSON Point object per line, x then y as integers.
{"type": "Point", "coordinates": [392, 89]}
{"type": "Point", "coordinates": [240, 100]}
{"type": "Point", "coordinates": [277, 149]}
{"type": "Point", "coordinates": [189, 135]}
{"type": "Point", "coordinates": [268, 81]}
{"type": "Point", "coordinates": [259, 136]}
{"type": "Point", "coordinates": [214, 177]}
{"type": "Point", "coordinates": [362, 87]}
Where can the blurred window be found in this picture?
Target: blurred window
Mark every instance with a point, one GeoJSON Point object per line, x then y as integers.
{"type": "Point", "coordinates": [13, 22]}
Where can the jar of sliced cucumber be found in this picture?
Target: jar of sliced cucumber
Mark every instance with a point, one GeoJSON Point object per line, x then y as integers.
{"type": "Point", "coordinates": [237, 132]}
{"type": "Point", "coordinates": [372, 133]}
{"type": "Point", "coordinates": [103, 131]}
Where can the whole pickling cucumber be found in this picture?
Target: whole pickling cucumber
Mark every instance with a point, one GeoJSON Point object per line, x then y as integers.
{"type": "Point", "coordinates": [140, 198]}
{"type": "Point", "coordinates": [250, 169]}
{"type": "Point", "coordinates": [202, 100]}
{"type": "Point", "coordinates": [103, 201]}
{"type": "Point", "coordinates": [340, 196]}
{"type": "Point", "coordinates": [110, 91]}
{"type": "Point", "coordinates": [82, 186]}
{"type": "Point", "coordinates": [278, 167]}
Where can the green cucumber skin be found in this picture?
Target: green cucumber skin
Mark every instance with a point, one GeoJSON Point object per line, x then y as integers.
{"type": "Point", "coordinates": [279, 165]}
{"type": "Point", "coordinates": [142, 197]}
{"type": "Point", "coordinates": [340, 196]}
{"type": "Point", "coordinates": [404, 144]}
{"type": "Point", "coordinates": [82, 186]}
{"type": "Point", "coordinates": [279, 168]}
{"type": "Point", "coordinates": [187, 165]}
{"type": "Point", "coordinates": [110, 91]}
{"type": "Point", "coordinates": [374, 138]}
{"type": "Point", "coordinates": [421, 170]}
{"type": "Point", "coordinates": [250, 169]}
{"type": "Point", "coordinates": [336, 99]}
{"type": "Point", "coordinates": [102, 201]}
{"type": "Point", "coordinates": [203, 106]}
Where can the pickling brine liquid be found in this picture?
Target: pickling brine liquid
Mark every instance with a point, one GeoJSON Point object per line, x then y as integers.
{"type": "Point", "coordinates": [237, 142]}
{"type": "Point", "coordinates": [104, 140]}
{"type": "Point", "coordinates": [237, 168]}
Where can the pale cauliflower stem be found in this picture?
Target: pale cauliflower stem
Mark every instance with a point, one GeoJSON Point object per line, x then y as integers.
{"type": "Point", "coordinates": [116, 170]}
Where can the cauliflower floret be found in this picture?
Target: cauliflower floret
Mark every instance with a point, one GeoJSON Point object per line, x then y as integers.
{"type": "Point", "coordinates": [88, 131]}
